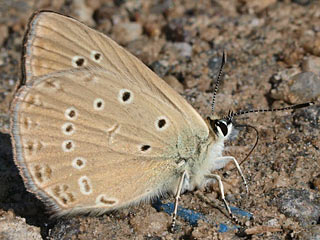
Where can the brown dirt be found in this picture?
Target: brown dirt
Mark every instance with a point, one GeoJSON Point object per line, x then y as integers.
{"type": "Point", "coordinates": [262, 38]}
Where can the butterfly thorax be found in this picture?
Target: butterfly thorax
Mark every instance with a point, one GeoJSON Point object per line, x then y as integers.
{"type": "Point", "coordinates": [210, 154]}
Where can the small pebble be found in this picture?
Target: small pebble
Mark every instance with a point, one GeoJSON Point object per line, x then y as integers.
{"type": "Point", "coordinates": [83, 12]}
{"type": "Point", "coordinates": [182, 49]}
{"type": "Point", "coordinates": [312, 46]}
{"type": "Point", "coordinates": [259, 5]}
{"type": "Point", "coordinates": [94, 4]}
{"type": "Point", "coordinates": [146, 50]}
{"type": "Point", "coordinates": [153, 223]}
{"type": "Point", "coordinates": [298, 204]}
{"type": "Point", "coordinates": [175, 31]}
{"type": "Point", "coordinates": [152, 29]}
{"type": "Point", "coordinates": [127, 32]}
{"type": "Point", "coordinates": [294, 87]}
{"type": "Point", "coordinates": [311, 64]}
{"type": "Point", "coordinates": [305, 87]}
{"type": "Point", "coordinates": [160, 67]}
{"type": "Point", "coordinates": [13, 227]}
{"type": "Point", "coordinates": [313, 233]}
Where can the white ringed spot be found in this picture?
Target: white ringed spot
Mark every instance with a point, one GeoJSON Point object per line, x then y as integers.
{"type": "Point", "coordinates": [79, 163]}
{"type": "Point", "coordinates": [96, 56]}
{"type": "Point", "coordinates": [125, 96]}
{"type": "Point", "coordinates": [162, 123]}
{"type": "Point", "coordinates": [68, 146]}
{"type": "Point", "coordinates": [71, 113]}
{"type": "Point", "coordinates": [78, 61]}
{"type": "Point", "coordinates": [98, 104]}
{"type": "Point", "coordinates": [85, 185]}
{"type": "Point", "coordinates": [68, 128]}
{"type": "Point", "coordinates": [104, 200]}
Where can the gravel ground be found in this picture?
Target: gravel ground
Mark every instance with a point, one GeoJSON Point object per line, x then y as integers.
{"type": "Point", "coordinates": [273, 61]}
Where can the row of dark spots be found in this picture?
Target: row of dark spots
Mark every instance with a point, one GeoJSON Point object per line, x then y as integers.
{"type": "Point", "coordinates": [80, 61]}
{"type": "Point", "coordinates": [161, 123]}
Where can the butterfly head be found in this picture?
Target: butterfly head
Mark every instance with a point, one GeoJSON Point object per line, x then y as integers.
{"type": "Point", "coordinates": [221, 127]}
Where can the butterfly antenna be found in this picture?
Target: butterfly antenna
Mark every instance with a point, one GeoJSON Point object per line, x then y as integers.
{"type": "Point", "coordinates": [255, 144]}
{"type": "Point", "coordinates": [231, 115]}
{"type": "Point", "coordinates": [242, 112]}
{"type": "Point", "coordinates": [216, 88]}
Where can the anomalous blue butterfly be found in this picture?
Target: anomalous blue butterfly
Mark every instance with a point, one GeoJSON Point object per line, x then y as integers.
{"type": "Point", "coordinates": [94, 129]}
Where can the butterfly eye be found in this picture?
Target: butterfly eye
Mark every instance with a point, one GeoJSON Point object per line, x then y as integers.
{"type": "Point", "coordinates": [219, 124]}
{"type": "Point", "coordinates": [222, 126]}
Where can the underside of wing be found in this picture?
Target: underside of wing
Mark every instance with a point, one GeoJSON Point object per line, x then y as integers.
{"type": "Point", "coordinates": [55, 42]}
{"type": "Point", "coordinates": [93, 128]}
{"type": "Point", "coordinates": [82, 138]}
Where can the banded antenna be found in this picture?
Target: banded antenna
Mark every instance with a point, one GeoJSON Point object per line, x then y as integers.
{"type": "Point", "coordinates": [216, 88]}
{"type": "Point", "coordinates": [231, 115]}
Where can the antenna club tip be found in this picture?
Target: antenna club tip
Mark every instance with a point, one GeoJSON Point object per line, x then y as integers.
{"type": "Point", "coordinates": [302, 105]}
{"type": "Point", "coordinates": [224, 56]}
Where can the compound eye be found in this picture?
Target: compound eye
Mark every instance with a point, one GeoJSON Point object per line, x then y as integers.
{"type": "Point", "coordinates": [223, 127]}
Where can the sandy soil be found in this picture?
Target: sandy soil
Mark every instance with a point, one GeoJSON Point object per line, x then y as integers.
{"type": "Point", "coordinates": [268, 43]}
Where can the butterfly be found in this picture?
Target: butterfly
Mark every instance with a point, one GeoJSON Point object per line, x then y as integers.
{"type": "Point", "coordinates": [94, 129]}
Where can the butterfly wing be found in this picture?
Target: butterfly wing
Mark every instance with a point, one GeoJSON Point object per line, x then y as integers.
{"type": "Point", "coordinates": [93, 128]}
{"type": "Point", "coordinates": [55, 42]}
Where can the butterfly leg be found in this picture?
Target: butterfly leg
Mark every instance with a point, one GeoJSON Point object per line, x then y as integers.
{"type": "Point", "coordinates": [218, 178]}
{"type": "Point", "coordinates": [235, 162]}
{"type": "Point", "coordinates": [177, 197]}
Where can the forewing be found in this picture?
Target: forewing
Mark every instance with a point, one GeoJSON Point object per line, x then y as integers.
{"type": "Point", "coordinates": [55, 42]}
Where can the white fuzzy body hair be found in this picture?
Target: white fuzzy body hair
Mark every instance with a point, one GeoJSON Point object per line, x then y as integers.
{"type": "Point", "coordinates": [210, 159]}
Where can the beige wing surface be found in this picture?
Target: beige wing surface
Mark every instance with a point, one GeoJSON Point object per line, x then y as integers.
{"type": "Point", "coordinates": [93, 128]}
{"type": "Point", "coordinates": [55, 42]}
